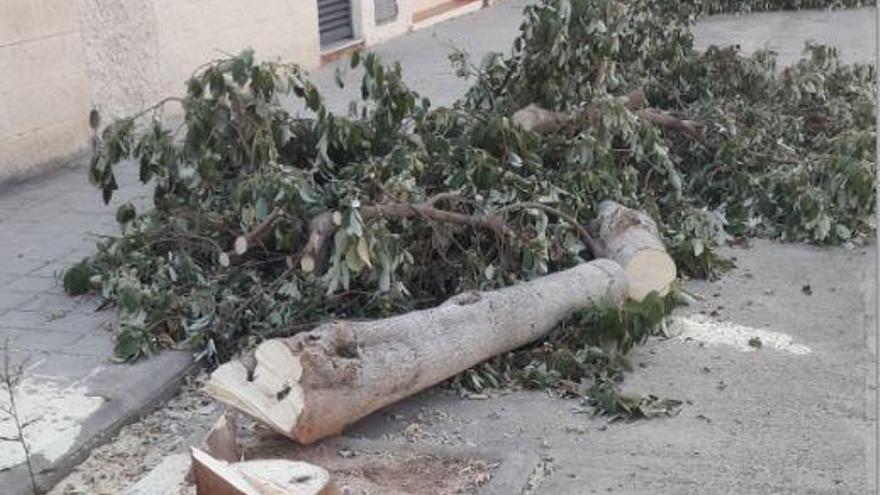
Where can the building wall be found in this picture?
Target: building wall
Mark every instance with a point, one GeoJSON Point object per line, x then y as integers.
{"type": "Point", "coordinates": [44, 88]}
{"type": "Point", "coordinates": [61, 58]}
{"type": "Point", "coordinates": [192, 32]}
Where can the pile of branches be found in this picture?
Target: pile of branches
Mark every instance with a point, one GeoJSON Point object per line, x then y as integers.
{"type": "Point", "coordinates": [266, 222]}
{"type": "Point", "coordinates": [746, 6]}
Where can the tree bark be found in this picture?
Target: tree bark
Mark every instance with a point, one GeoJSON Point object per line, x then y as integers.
{"type": "Point", "coordinates": [263, 477]}
{"type": "Point", "coordinates": [691, 129]}
{"type": "Point", "coordinates": [536, 119]}
{"type": "Point", "coordinates": [542, 121]}
{"type": "Point", "coordinates": [316, 383]}
{"type": "Point", "coordinates": [631, 238]}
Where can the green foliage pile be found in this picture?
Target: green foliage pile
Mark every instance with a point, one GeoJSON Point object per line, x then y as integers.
{"type": "Point", "coordinates": [745, 6]}
{"type": "Point", "coordinates": [785, 154]}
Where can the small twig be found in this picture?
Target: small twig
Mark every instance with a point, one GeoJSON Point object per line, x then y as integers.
{"type": "Point", "coordinates": [689, 128]}
{"type": "Point", "coordinates": [602, 74]}
{"type": "Point", "coordinates": [282, 276]}
{"type": "Point", "coordinates": [433, 200]}
{"type": "Point", "coordinates": [161, 103]}
{"type": "Point", "coordinates": [11, 379]}
{"type": "Point", "coordinates": [239, 122]}
{"type": "Point", "coordinates": [244, 242]}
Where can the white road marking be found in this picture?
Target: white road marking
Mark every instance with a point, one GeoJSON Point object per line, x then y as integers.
{"type": "Point", "coordinates": [704, 329]}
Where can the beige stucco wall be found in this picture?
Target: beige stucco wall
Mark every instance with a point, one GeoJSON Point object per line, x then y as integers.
{"type": "Point", "coordinates": [192, 32]}
{"type": "Point", "coordinates": [44, 100]}
{"type": "Point", "coordinates": [61, 58]}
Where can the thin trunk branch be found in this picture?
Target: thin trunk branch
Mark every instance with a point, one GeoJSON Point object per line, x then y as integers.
{"type": "Point", "coordinates": [592, 245]}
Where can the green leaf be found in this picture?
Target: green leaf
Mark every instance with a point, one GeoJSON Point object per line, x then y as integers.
{"type": "Point", "coordinates": [313, 98]}
{"type": "Point", "coordinates": [77, 279]}
{"type": "Point", "coordinates": [127, 346]}
{"type": "Point", "coordinates": [337, 78]}
{"type": "Point", "coordinates": [125, 213]}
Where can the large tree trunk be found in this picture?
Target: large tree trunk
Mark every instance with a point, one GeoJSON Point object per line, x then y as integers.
{"type": "Point", "coordinates": [314, 384]}
{"type": "Point", "coordinates": [630, 238]}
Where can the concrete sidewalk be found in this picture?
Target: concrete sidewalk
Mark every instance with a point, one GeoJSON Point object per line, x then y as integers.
{"type": "Point", "coordinates": [72, 390]}
{"type": "Point", "coordinates": [46, 223]}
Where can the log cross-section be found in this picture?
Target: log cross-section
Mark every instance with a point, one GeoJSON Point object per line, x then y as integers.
{"type": "Point", "coordinates": [260, 477]}
{"type": "Point", "coordinates": [630, 237]}
{"type": "Point", "coordinates": [316, 383]}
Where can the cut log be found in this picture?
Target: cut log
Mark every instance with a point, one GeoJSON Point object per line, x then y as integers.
{"type": "Point", "coordinates": [221, 442]}
{"type": "Point", "coordinates": [631, 238]}
{"type": "Point", "coordinates": [263, 477]}
{"type": "Point", "coordinates": [537, 119]}
{"type": "Point", "coordinates": [316, 383]}
{"type": "Point", "coordinates": [244, 242]}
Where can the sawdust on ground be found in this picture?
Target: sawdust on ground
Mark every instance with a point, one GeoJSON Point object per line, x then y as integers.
{"type": "Point", "coordinates": [139, 447]}
{"type": "Point", "coordinates": [184, 421]}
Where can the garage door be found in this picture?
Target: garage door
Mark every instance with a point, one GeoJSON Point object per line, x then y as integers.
{"type": "Point", "coordinates": [334, 21]}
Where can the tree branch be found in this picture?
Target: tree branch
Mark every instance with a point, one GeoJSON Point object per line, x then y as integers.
{"type": "Point", "coordinates": [691, 129]}
{"type": "Point", "coordinates": [314, 255]}
{"type": "Point", "coordinates": [542, 121]}
{"type": "Point", "coordinates": [244, 242]}
{"type": "Point", "coordinates": [593, 246]}
{"type": "Point", "coordinates": [322, 226]}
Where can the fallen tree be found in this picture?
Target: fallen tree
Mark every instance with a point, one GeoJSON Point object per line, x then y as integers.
{"type": "Point", "coordinates": [316, 383]}
{"type": "Point", "coordinates": [268, 223]}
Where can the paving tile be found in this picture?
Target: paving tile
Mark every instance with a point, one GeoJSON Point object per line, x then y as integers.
{"type": "Point", "coordinates": [12, 299]}
{"type": "Point", "coordinates": [19, 265]}
{"type": "Point", "coordinates": [71, 322]}
{"type": "Point", "coordinates": [40, 340]}
{"type": "Point", "coordinates": [53, 269]}
{"type": "Point", "coordinates": [69, 367]}
{"type": "Point", "coordinates": [16, 318]}
{"type": "Point", "coordinates": [28, 359]}
{"type": "Point", "coordinates": [46, 250]}
{"type": "Point", "coordinates": [54, 304]}
{"type": "Point", "coordinates": [98, 344]}
{"type": "Point", "coordinates": [30, 284]}
{"type": "Point", "coordinates": [6, 278]}
{"type": "Point", "coordinates": [91, 322]}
